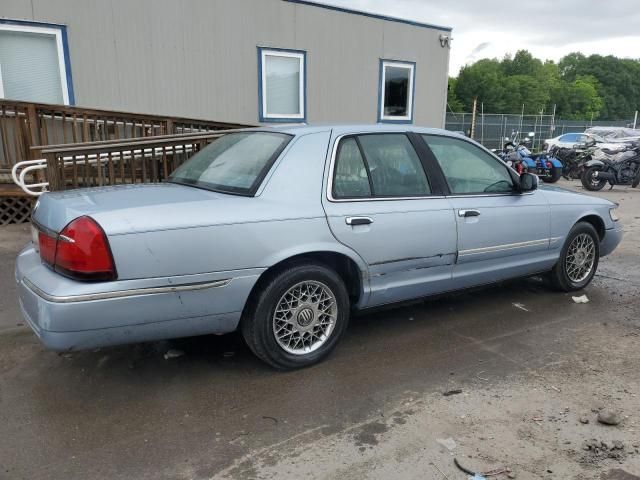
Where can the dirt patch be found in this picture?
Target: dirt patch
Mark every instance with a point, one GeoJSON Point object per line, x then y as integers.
{"type": "Point", "coordinates": [369, 433]}
{"type": "Point", "coordinates": [595, 451]}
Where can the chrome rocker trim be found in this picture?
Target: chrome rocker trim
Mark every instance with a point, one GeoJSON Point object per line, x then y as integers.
{"type": "Point", "coordinates": [123, 293]}
{"type": "Point", "coordinates": [506, 246]}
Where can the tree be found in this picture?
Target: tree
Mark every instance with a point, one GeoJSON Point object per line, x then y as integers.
{"type": "Point", "coordinates": [453, 102]}
{"type": "Point", "coordinates": [522, 63]}
{"type": "Point", "coordinates": [580, 100]}
{"type": "Point", "coordinates": [527, 91]}
{"type": "Point", "coordinates": [618, 82]}
{"type": "Point", "coordinates": [580, 86]}
{"type": "Point", "coordinates": [484, 80]}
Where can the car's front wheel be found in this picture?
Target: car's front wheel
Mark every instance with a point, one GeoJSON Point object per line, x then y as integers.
{"type": "Point", "coordinates": [297, 316]}
{"type": "Point", "coordinates": [578, 259]}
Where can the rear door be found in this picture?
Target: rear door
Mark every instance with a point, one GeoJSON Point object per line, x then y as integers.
{"type": "Point", "coordinates": [382, 202]}
{"type": "Point", "coordinates": [501, 233]}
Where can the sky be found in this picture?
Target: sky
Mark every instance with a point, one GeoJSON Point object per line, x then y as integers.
{"type": "Point", "coordinates": [549, 29]}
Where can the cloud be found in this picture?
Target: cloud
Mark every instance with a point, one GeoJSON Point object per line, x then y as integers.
{"type": "Point", "coordinates": [472, 57]}
{"type": "Point", "coordinates": [548, 28]}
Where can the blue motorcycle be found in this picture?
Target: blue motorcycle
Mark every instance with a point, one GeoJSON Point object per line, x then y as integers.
{"type": "Point", "coordinates": [545, 165]}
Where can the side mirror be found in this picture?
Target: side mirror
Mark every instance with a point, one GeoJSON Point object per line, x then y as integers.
{"type": "Point", "coordinates": [528, 182]}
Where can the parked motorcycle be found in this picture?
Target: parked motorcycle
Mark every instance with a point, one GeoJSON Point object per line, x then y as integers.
{"type": "Point", "coordinates": [545, 165]}
{"type": "Point", "coordinates": [573, 160]}
{"type": "Point", "coordinates": [616, 169]}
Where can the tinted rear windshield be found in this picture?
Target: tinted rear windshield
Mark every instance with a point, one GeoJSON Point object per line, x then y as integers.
{"type": "Point", "coordinates": [234, 163]}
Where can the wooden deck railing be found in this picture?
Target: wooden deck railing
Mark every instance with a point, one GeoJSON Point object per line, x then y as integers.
{"type": "Point", "coordinates": [25, 125]}
{"type": "Point", "coordinates": [114, 162]}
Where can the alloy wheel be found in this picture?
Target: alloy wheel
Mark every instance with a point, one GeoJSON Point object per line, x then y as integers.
{"type": "Point", "coordinates": [304, 317]}
{"type": "Point", "coordinates": [580, 258]}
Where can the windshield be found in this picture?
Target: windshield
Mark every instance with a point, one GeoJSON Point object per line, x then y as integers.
{"type": "Point", "coordinates": [234, 163]}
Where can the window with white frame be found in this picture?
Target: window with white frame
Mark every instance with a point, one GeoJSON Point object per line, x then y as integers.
{"type": "Point", "coordinates": [32, 63]}
{"type": "Point", "coordinates": [396, 91]}
{"type": "Point", "coordinates": [282, 85]}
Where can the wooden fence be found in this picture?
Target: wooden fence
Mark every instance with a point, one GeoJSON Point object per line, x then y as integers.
{"type": "Point", "coordinates": [25, 125]}
{"type": "Point", "coordinates": [114, 162]}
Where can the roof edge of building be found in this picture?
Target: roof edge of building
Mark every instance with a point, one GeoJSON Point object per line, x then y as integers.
{"type": "Point", "coordinates": [377, 16]}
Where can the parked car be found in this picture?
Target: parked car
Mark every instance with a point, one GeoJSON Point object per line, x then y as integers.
{"type": "Point", "coordinates": [590, 138]}
{"type": "Point", "coordinates": [614, 134]}
{"type": "Point", "coordinates": [280, 233]}
{"type": "Point", "coordinates": [567, 140]}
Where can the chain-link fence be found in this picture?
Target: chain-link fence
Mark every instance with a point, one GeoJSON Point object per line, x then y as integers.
{"type": "Point", "coordinates": [492, 129]}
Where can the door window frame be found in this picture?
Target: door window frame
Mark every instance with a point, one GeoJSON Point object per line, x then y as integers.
{"type": "Point", "coordinates": [515, 178]}
{"type": "Point", "coordinates": [434, 178]}
{"type": "Point", "coordinates": [62, 46]}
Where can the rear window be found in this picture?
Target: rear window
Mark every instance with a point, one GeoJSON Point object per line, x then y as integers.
{"type": "Point", "coordinates": [235, 163]}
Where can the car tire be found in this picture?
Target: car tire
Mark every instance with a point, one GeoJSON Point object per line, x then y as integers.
{"type": "Point", "coordinates": [588, 181]}
{"type": "Point", "coordinates": [286, 319]}
{"type": "Point", "coordinates": [578, 260]}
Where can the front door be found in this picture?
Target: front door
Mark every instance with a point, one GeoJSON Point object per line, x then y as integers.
{"type": "Point", "coordinates": [382, 204]}
{"type": "Point", "coordinates": [501, 233]}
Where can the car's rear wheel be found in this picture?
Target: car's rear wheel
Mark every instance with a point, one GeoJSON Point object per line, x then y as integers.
{"type": "Point", "coordinates": [297, 316]}
{"type": "Point", "coordinates": [578, 260]}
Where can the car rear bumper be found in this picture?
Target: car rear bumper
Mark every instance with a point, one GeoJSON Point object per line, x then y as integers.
{"type": "Point", "coordinates": [67, 315]}
{"type": "Point", "coordinates": [612, 238]}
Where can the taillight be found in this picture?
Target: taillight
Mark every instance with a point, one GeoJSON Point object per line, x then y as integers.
{"type": "Point", "coordinates": [80, 251]}
{"type": "Point", "coordinates": [47, 245]}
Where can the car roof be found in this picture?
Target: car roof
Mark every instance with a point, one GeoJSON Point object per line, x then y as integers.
{"type": "Point", "coordinates": [343, 129]}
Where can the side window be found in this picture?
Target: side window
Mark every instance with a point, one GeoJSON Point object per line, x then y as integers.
{"type": "Point", "coordinates": [394, 166]}
{"type": "Point", "coordinates": [350, 180]}
{"type": "Point", "coordinates": [469, 169]}
{"type": "Point", "coordinates": [378, 165]}
{"type": "Point", "coordinates": [569, 137]}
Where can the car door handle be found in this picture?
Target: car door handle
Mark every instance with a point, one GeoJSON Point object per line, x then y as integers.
{"type": "Point", "coordinates": [468, 213]}
{"type": "Point", "coordinates": [358, 220]}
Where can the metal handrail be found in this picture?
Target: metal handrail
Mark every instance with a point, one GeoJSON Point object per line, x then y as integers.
{"type": "Point", "coordinates": [25, 167]}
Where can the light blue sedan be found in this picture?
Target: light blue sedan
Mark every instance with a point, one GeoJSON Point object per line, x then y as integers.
{"type": "Point", "coordinates": [280, 233]}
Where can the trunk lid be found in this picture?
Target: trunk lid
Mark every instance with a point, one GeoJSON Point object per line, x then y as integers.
{"type": "Point", "coordinates": [125, 209]}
